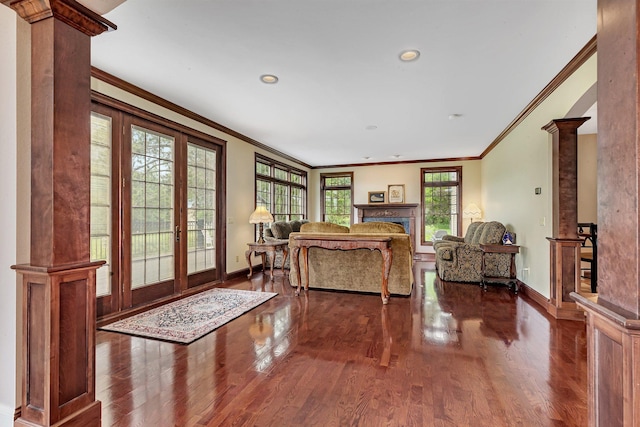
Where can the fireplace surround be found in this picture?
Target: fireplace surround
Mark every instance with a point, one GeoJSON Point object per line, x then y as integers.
{"type": "Point", "coordinates": [399, 213]}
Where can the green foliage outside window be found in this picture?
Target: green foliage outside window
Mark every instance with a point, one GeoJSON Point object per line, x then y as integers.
{"type": "Point", "coordinates": [337, 199]}
{"type": "Point", "coordinates": [281, 189]}
{"type": "Point", "coordinates": [441, 201]}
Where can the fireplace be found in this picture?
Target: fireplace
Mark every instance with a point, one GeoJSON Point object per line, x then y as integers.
{"type": "Point", "coordinates": [403, 214]}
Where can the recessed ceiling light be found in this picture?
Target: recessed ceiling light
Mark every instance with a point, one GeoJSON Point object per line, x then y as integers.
{"type": "Point", "coordinates": [396, 156]}
{"type": "Point", "coordinates": [409, 55]}
{"type": "Point", "coordinates": [366, 157]}
{"type": "Point", "coordinates": [269, 79]}
{"type": "Point", "coordinates": [454, 116]}
{"type": "Point", "coordinates": [371, 127]}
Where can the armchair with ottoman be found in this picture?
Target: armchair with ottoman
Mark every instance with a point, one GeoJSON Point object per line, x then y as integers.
{"type": "Point", "coordinates": [358, 269]}
{"type": "Point", "coordinates": [460, 259]}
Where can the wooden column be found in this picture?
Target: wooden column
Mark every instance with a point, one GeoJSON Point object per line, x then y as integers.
{"type": "Point", "coordinates": [613, 322]}
{"type": "Point", "coordinates": [565, 245]}
{"type": "Point", "coordinates": [58, 307]}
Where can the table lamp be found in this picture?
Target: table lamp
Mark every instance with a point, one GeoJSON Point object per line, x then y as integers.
{"type": "Point", "coordinates": [472, 211]}
{"type": "Point", "coordinates": [260, 216]}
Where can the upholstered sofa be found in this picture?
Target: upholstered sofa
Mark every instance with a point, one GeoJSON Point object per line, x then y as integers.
{"type": "Point", "coordinates": [280, 230]}
{"type": "Point", "coordinates": [360, 269]}
{"type": "Point", "coordinates": [460, 259]}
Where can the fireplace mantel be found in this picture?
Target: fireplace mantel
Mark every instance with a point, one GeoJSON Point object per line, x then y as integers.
{"type": "Point", "coordinates": [383, 211]}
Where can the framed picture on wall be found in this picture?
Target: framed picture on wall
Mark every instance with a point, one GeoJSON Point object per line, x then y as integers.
{"type": "Point", "coordinates": [396, 193]}
{"type": "Point", "coordinates": [376, 196]}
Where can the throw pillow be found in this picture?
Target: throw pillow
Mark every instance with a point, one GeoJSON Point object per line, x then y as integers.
{"type": "Point", "coordinates": [297, 223]}
{"type": "Point", "coordinates": [281, 229]}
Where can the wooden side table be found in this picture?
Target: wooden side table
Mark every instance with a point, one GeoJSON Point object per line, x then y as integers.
{"type": "Point", "coordinates": [510, 281]}
{"type": "Point", "coordinates": [268, 248]}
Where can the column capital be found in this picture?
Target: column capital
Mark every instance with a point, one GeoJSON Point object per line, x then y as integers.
{"type": "Point", "coordinates": [70, 12]}
{"type": "Point", "coordinates": [555, 125]}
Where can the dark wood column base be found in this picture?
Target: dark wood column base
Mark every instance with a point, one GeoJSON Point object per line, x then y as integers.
{"type": "Point", "coordinates": [58, 346]}
{"type": "Point", "coordinates": [613, 345]}
{"type": "Point", "coordinates": [565, 278]}
{"type": "Point", "coordinates": [89, 416]}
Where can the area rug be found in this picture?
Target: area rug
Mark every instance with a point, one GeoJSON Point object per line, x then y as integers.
{"type": "Point", "coordinates": [188, 319]}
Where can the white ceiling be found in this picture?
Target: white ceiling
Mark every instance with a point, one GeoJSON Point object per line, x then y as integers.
{"type": "Point", "coordinates": [337, 61]}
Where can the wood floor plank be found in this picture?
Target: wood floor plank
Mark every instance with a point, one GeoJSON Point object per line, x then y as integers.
{"type": "Point", "coordinates": [451, 354]}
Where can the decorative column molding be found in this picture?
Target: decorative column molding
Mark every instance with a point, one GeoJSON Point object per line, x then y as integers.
{"type": "Point", "coordinates": [565, 245]}
{"type": "Point", "coordinates": [70, 12]}
{"type": "Point", "coordinates": [58, 305]}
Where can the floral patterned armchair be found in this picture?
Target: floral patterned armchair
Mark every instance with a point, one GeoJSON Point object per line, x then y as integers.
{"type": "Point", "coordinates": [460, 260]}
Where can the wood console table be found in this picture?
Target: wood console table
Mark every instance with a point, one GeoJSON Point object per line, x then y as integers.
{"type": "Point", "coordinates": [268, 248]}
{"type": "Point", "coordinates": [501, 249]}
{"type": "Point", "coordinates": [302, 243]}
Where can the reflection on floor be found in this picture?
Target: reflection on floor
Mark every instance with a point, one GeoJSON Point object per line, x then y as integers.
{"type": "Point", "coordinates": [440, 327]}
{"type": "Point", "coordinates": [449, 355]}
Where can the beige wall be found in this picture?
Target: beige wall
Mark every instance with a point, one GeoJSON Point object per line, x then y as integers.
{"type": "Point", "coordinates": [377, 178]}
{"type": "Point", "coordinates": [240, 200]}
{"type": "Point", "coordinates": [8, 213]}
{"type": "Point", "coordinates": [519, 164]}
{"type": "Point", "coordinates": [587, 178]}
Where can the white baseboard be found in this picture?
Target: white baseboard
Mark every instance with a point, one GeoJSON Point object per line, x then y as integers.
{"type": "Point", "coordinates": [6, 415]}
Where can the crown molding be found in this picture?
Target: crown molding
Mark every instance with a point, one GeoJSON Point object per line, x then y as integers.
{"type": "Point", "coordinates": [399, 162]}
{"type": "Point", "coordinates": [135, 90]}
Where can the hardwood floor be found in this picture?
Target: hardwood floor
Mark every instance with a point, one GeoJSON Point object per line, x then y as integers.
{"type": "Point", "coordinates": [450, 355]}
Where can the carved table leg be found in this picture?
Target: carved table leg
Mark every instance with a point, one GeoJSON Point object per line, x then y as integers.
{"type": "Point", "coordinates": [271, 256]}
{"type": "Point", "coordinates": [387, 257]}
{"type": "Point", "coordinates": [248, 255]}
{"type": "Point", "coordinates": [305, 265]}
{"type": "Point", "coordinates": [295, 252]}
{"type": "Point", "coordinates": [284, 258]}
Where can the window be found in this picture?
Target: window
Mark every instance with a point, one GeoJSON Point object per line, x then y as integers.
{"type": "Point", "coordinates": [336, 192]}
{"type": "Point", "coordinates": [441, 194]}
{"type": "Point", "coordinates": [281, 189]}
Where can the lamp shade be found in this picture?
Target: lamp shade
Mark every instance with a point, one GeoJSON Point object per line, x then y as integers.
{"type": "Point", "coordinates": [472, 211]}
{"type": "Point", "coordinates": [260, 215]}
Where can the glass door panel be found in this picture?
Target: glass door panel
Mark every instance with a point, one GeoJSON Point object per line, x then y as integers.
{"type": "Point", "coordinates": [101, 203]}
{"type": "Point", "coordinates": [152, 208]}
{"type": "Point", "coordinates": [201, 208]}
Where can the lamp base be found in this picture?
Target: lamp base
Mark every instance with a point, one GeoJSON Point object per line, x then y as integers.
{"type": "Point", "coordinates": [261, 239]}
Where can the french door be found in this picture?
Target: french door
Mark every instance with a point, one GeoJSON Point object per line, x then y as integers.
{"type": "Point", "coordinates": [154, 210]}
{"type": "Point", "coordinates": [150, 239]}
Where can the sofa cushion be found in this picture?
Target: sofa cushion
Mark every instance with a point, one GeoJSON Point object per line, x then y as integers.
{"type": "Point", "coordinates": [323, 227]}
{"type": "Point", "coordinates": [492, 233]}
{"type": "Point", "coordinates": [281, 229]}
{"type": "Point", "coordinates": [377, 227]}
{"type": "Point", "coordinates": [478, 234]}
{"type": "Point", "coordinates": [471, 231]}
